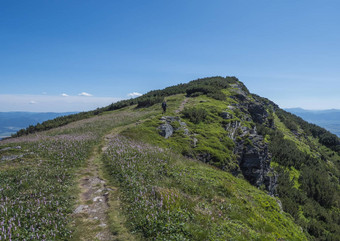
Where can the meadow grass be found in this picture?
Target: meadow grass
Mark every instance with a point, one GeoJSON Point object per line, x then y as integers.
{"type": "Point", "coordinates": [37, 187]}
{"type": "Point", "coordinates": [168, 197]}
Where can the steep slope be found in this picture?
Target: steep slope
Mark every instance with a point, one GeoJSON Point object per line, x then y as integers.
{"type": "Point", "coordinates": [249, 155]}
{"type": "Point", "coordinates": [253, 138]}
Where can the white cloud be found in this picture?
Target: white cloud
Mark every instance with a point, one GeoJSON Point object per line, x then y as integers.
{"type": "Point", "coordinates": [44, 93]}
{"type": "Point", "coordinates": [84, 94]}
{"type": "Point", "coordinates": [49, 103]}
{"type": "Point", "coordinates": [64, 95]}
{"type": "Point", "coordinates": [134, 94]}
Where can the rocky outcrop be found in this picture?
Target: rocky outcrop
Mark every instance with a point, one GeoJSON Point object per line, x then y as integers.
{"type": "Point", "coordinates": [239, 92]}
{"type": "Point", "coordinates": [167, 129]}
{"type": "Point", "coordinates": [183, 127]}
{"type": "Point", "coordinates": [257, 112]}
{"type": "Point", "coordinates": [10, 148]}
{"type": "Point", "coordinates": [252, 155]}
{"type": "Point", "coordinates": [226, 115]}
{"type": "Point", "coordinates": [254, 159]}
{"type": "Point", "coordinates": [250, 148]}
{"type": "Point", "coordinates": [232, 128]}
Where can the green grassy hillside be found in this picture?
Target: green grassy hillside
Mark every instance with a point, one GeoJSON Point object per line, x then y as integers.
{"type": "Point", "coordinates": [220, 164]}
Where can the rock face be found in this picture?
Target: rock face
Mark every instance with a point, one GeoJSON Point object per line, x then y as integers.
{"type": "Point", "coordinates": [257, 112]}
{"type": "Point", "coordinates": [254, 161]}
{"type": "Point", "coordinates": [232, 128]}
{"type": "Point", "coordinates": [251, 150]}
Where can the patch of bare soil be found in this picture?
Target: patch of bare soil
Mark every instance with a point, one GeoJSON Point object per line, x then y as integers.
{"type": "Point", "coordinates": [181, 107]}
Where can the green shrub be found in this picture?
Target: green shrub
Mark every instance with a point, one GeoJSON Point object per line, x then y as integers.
{"type": "Point", "coordinates": [217, 95]}
{"type": "Point", "coordinates": [195, 115]}
{"type": "Point", "coordinates": [149, 101]}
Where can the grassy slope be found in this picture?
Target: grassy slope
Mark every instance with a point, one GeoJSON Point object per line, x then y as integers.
{"type": "Point", "coordinates": [208, 203]}
{"type": "Point", "coordinates": [37, 188]}
{"type": "Point", "coordinates": [215, 204]}
{"type": "Point", "coordinates": [212, 139]}
{"type": "Point", "coordinates": [170, 197]}
{"type": "Point", "coordinates": [52, 155]}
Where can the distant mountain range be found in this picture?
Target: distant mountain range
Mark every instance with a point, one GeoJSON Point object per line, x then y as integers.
{"type": "Point", "coordinates": [329, 119]}
{"type": "Point", "coordinates": [11, 122]}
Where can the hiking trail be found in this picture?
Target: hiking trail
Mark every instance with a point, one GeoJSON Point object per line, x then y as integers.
{"type": "Point", "coordinates": [181, 107]}
{"type": "Point", "coordinates": [92, 213]}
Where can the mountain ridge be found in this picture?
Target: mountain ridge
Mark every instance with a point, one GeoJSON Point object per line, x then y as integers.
{"type": "Point", "coordinates": [239, 139]}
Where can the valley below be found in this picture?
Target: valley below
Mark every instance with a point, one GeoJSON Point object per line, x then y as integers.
{"type": "Point", "coordinates": [11, 122]}
{"type": "Point", "coordinates": [328, 119]}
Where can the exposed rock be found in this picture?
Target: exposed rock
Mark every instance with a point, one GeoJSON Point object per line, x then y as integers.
{"type": "Point", "coordinates": [81, 209]}
{"type": "Point", "coordinates": [11, 148]}
{"type": "Point", "coordinates": [98, 199]}
{"type": "Point", "coordinates": [254, 159]}
{"type": "Point", "coordinates": [184, 127]}
{"type": "Point", "coordinates": [169, 119]}
{"type": "Point", "coordinates": [226, 115]}
{"type": "Point", "coordinates": [278, 201]}
{"type": "Point", "coordinates": [239, 92]}
{"type": "Point", "coordinates": [166, 130]}
{"type": "Point", "coordinates": [258, 112]}
{"type": "Point", "coordinates": [186, 131]}
{"type": "Point", "coordinates": [182, 124]}
{"type": "Point", "coordinates": [232, 128]}
{"type": "Point", "coordinates": [194, 141]}
{"type": "Point", "coordinates": [10, 157]}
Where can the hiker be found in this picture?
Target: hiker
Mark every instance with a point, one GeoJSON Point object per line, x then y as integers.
{"type": "Point", "coordinates": [164, 105]}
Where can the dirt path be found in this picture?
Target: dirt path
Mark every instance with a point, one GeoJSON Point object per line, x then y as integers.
{"type": "Point", "coordinates": [97, 214]}
{"type": "Point", "coordinates": [90, 215]}
{"type": "Point", "coordinates": [181, 107]}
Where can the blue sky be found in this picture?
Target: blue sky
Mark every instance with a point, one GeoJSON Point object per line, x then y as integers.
{"type": "Point", "coordinates": [96, 52]}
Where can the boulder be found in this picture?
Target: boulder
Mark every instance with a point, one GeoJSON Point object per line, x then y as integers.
{"type": "Point", "coordinates": [166, 130]}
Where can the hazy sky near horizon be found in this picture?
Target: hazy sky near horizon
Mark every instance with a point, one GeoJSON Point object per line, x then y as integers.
{"type": "Point", "coordinates": [69, 55]}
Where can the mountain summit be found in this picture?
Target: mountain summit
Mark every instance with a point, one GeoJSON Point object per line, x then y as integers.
{"type": "Point", "coordinates": [219, 164]}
